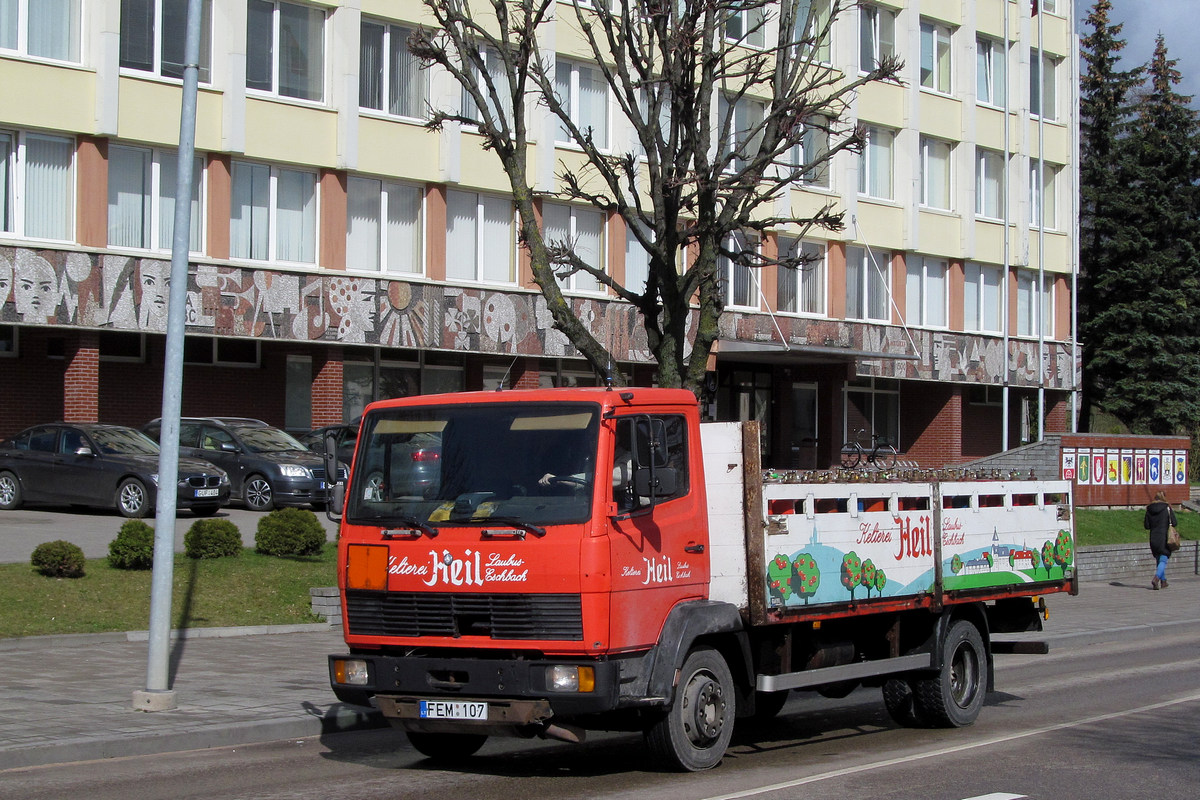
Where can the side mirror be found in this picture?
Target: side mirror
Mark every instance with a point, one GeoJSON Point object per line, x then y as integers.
{"type": "Point", "coordinates": [84, 451]}
{"type": "Point", "coordinates": [335, 490]}
{"type": "Point", "coordinates": [659, 482]}
{"type": "Point", "coordinates": [229, 447]}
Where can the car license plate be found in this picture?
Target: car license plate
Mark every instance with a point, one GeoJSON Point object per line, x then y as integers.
{"type": "Point", "coordinates": [453, 709]}
{"type": "Point", "coordinates": [320, 484]}
{"type": "Point", "coordinates": [207, 492]}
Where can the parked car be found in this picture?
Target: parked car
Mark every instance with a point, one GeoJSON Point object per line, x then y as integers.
{"type": "Point", "coordinates": [417, 470]}
{"type": "Point", "coordinates": [267, 467]}
{"type": "Point", "coordinates": [111, 466]}
{"type": "Point", "coordinates": [345, 437]}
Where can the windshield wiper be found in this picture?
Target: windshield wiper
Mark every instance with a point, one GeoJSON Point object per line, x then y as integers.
{"type": "Point", "coordinates": [516, 522]}
{"type": "Point", "coordinates": [413, 523]}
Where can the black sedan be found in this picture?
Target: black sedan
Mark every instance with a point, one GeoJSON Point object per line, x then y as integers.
{"type": "Point", "coordinates": [100, 465]}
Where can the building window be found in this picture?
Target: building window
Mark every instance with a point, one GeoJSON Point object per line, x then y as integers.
{"type": "Point", "coordinates": [981, 298]}
{"type": "Point", "coordinates": [1049, 6]}
{"type": "Point", "coordinates": [581, 229]}
{"type": "Point", "coordinates": [868, 286]}
{"type": "Point", "coordinates": [991, 72]}
{"type": "Point", "coordinates": [742, 119]}
{"type": "Point", "coordinates": [811, 28]}
{"type": "Point", "coordinates": [989, 183]}
{"type": "Point", "coordinates": [162, 55]}
{"type": "Point", "coordinates": [1029, 297]}
{"type": "Point", "coordinates": [1043, 204]}
{"type": "Point", "coordinates": [738, 281]}
{"type": "Point", "coordinates": [388, 73]}
{"type": "Point", "coordinates": [801, 290]}
{"type": "Point", "coordinates": [383, 226]}
{"type": "Point", "coordinates": [876, 36]}
{"type": "Point", "coordinates": [637, 260]}
{"type": "Point", "coordinates": [747, 25]}
{"type": "Point", "coordinates": [873, 409]}
{"type": "Point", "coordinates": [285, 49]}
{"type": "Point", "coordinates": [935, 57]}
{"type": "Point", "coordinates": [1042, 100]}
{"type": "Point", "coordinates": [37, 194]}
{"type": "Point", "coordinates": [925, 292]}
{"type": "Point", "coordinates": [141, 199]}
{"type": "Point", "coordinates": [811, 154]}
{"type": "Point", "coordinates": [875, 164]}
{"type": "Point", "coordinates": [223, 352]}
{"type": "Point", "coordinates": [41, 28]}
{"type": "Point", "coordinates": [935, 173]}
{"type": "Point", "coordinates": [479, 237]}
{"type": "Point", "coordinates": [499, 79]}
{"type": "Point", "coordinates": [274, 214]}
{"type": "Point", "coordinates": [583, 92]}
{"type": "Point", "coordinates": [8, 333]}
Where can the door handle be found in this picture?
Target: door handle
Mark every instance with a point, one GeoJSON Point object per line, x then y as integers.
{"type": "Point", "coordinates": [694, 548]}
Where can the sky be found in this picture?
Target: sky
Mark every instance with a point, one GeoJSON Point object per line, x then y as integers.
{"type": "Point", "coordinates": [1177, 20]}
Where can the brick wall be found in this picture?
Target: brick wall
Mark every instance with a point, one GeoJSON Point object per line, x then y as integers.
{"type": "Point", "coordinates": [81, 380]}
{"type": "Point", "coordinates": [327, 387]}
{"type": "Point", "coordinates": [1133, 562]}
{"type": "Point", "coordinates": [931, 423]}
{"type": "Point", "coordinates": [37, 394]}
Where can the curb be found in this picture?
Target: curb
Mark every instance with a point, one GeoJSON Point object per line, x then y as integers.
{"type": "Point", "coordinates": [64, 639]}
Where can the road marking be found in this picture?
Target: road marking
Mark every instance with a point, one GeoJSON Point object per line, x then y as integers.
{"type": "Point", "coordinates": [997, 796]}
{"type": "Point", "coordinates": [891, 762]}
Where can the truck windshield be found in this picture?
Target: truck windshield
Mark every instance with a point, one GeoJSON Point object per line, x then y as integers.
{"type": "Point", "coordinates": [465, 464]}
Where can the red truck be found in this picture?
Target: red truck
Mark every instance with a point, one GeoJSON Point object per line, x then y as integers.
{"type": "Point", "coordinates": [541, 563]}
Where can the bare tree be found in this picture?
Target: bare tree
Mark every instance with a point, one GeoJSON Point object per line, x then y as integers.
{"type": "Point", "coordinates": [718, 113]}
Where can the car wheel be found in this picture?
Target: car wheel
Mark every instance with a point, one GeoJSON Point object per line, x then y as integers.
{"type": "Point", "coordinates": [205, 511]}
{"type": "Point", "coordinates": [374, 489]}
{"type": "Point", "coordinates": [10, 491]}
{"type": "Point", "coordinates": [259, 496]}
{"type": "Point", "coordinates": [133, 501]}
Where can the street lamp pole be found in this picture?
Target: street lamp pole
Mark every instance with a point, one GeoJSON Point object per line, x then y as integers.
{"type": "Point", "coordinates": [158, 694]}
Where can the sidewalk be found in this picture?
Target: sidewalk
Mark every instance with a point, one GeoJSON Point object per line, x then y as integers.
{"type": "Point", "coordinates": [69, 698]}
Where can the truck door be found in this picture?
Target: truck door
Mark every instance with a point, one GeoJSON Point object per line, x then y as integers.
{"type": "Point", "coordinates": [659, 537]}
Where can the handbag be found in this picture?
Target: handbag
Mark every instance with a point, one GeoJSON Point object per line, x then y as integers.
{"type": "Point", "coordinates": [1172, 538]}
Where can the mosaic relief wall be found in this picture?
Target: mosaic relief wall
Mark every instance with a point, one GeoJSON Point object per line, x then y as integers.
{"type": "Point", "coordinates": [51, 287]}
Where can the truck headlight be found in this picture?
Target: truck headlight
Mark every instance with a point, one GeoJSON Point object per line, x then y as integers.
{"type": "Point", "coordinates": [351, 672]}
{"type": "Point", "coordinates": [564, 678]}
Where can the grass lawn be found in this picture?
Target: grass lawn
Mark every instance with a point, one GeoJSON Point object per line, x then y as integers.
{"type": "Point", "coordinates": [254, 589]}
{"type": "Point", "coordinates": [249, 589]}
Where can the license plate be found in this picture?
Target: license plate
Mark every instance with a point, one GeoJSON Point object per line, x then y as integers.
{"type": "Point", "coordinates": [453, 709]}
{"type": "Point", "coordinates": [207, 492]}
{"type": "Point", "coordinates": [320, 484]}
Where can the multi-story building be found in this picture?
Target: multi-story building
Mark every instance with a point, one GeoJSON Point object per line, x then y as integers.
{"type": "Point", "coordinates": [342, 251]}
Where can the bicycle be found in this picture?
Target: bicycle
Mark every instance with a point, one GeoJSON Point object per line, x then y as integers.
{"type": "Point", "coordinates": [882, 454]}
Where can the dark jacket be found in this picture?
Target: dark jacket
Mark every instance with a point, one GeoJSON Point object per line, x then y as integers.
{"type": "Point", "coordinates": [1158, 517]}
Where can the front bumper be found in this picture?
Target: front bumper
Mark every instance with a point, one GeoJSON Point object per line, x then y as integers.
{"type": "Point", "coordinates": [515, 689]}
{"type": "Point", "coordinates": [188, 496]}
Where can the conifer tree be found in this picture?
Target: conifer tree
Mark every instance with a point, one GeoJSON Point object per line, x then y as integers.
{"type": "Point", "coordinates": [1145, 329]}
{"type": "Point", "coordinates": [1104, 118]}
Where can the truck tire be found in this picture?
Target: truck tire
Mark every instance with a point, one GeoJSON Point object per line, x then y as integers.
{"type": "Point", "coordinates": [698, 725]}
{"type": "Point", "coordinates": [900, 701]}
{"type": "Point", "coordinates": [447, 747]}
{"type": "Point", "coordinates": [953, 696]}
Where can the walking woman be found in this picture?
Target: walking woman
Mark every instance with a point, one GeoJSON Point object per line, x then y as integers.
{"type": "Point", "coordinates": [1159, 516]}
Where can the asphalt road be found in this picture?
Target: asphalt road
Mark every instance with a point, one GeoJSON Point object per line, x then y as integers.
{"type": "Point", "coordinates": [1104, 721]}
{"type": "Point", "coordinates": [24, 529]}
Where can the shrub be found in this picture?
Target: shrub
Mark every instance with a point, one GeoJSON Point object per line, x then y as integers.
{"type": "Point", "coordinates": [289, 532]}
{"type": "Point", "coordinates": [58, 559]}
{"type": "Point", "coordinates": [212, 538]}
{"type": "Point", "coordinates": [134, 546]}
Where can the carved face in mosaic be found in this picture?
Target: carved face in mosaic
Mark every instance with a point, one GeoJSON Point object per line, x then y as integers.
{"type": "Point", "coordinates": [35, 289]}
{"type": "Point", "coordinates": [6, 279]}
{"type": "Point", "coordinates": [154, 278]}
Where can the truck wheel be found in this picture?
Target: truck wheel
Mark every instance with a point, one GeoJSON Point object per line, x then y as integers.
{"type": "Point", "coordinates": [900, 702]}
{"type": "Point", "coordinates": [953, 697]}
{"type": "Point", "coordinates": [446, 746]}
{"type": "Point", "coordinates": [699, 722]}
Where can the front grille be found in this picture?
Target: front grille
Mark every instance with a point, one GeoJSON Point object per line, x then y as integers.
{"type": "Point", "coordinates": [319, 473]}
{"type": "Point", "coordinates": [204, 481]}
{"type": "Point", "coordinates": [497, 616]}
